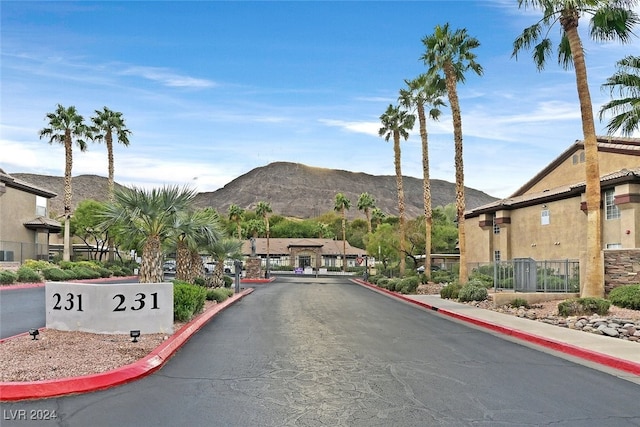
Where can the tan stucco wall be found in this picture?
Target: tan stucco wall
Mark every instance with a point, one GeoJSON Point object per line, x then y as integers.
{"type": "Point", "coordinates": [16, 207]}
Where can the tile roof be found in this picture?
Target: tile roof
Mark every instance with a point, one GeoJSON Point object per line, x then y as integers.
{"type": "Point", "coordinates": [280, 246]}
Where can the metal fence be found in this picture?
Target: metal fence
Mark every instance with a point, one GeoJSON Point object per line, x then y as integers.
{"type": "Point", "coordinates": [529, 275]}
{"type": "Point", "coordinates": [20, 252]}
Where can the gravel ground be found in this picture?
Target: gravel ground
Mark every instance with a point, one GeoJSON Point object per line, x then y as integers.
{"type": "Point", "coordinates": [60, 354]}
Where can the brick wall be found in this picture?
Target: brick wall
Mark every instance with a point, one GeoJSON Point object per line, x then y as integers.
{"type": "Point", "coordinates": [621, 267]}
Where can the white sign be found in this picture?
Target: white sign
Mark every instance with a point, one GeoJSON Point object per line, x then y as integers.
{"type": "Point", "coordinates": [110, 308]}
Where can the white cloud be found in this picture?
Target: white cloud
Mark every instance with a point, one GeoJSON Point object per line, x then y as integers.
{"type": "Point", "coordinates": [167, 78]}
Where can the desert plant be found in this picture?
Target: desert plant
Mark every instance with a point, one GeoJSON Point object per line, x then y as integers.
{"type": "Point", "coordinates": [626, 296]}
{"type": "Point", "coordinates": [7, 277]}
{"type": "Point", "coordinates": [28, 275]}
{"type": "Point", "coordinates": [56, 274]}
{"type": "Point", "coordinates": [188, 300]}
{"type": "Point", "coordinates": [583, 306]}
{"type": "Point", "coordinates": [218, 294]}
{"type": "Point", "coordinates": [450, 291]}
{"type": "Point", "coordinates": [408, 285]}
{"type": "Point", "coordinates": [383, 282]}
{"type": "Point", "coordinates": [474, 290]}
{"type": "Point", "coordinates": [519, 302]}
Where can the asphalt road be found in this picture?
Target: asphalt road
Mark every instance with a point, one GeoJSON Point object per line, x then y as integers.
{"type": "Point", "coordinates": [327, 352]}
{"type": "Point", "coordinates": [20, 310]}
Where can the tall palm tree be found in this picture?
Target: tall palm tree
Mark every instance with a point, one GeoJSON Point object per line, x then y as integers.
{"type": "Point", "coordinates": [192, 230]}
{"type": "Point", "coordinates": [148, 216]}
{"type": "Point", "coordinates": [342, 205]}
{"type": "Point", "coordinates": [235, 215]}
{"type": "Point", "coordinates": [65, 126]}
{"type": "Point", "coordinates": [366, 202]}
{"type": "Point", "coordinates": [626, 110]}
{"type": "Point", "coordinates": [263, 209]}
{"type": "Point", "coordinates": [377, 216]}
{"type": "Point", "coordinates": [425, 90]}
{"type": "Point", "coordinates": [610, 19]}
{"type": "Point", "coordinates": [397, 123]}
{"type": "Point", "coordinates": [220, 251]}
{"type": "Point", "coordinates": [451, 53]}
{"type": "Point", "coordinates": [106, 123]}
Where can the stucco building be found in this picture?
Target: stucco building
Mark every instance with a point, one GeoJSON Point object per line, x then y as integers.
{"type": "Point", "coordinates": [546, 218]}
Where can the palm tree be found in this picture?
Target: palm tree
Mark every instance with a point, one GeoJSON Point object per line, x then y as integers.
{"type": "Point", "coordinates": [377, 216]}
{"type": "Point", "coordinates": [425, 90]}
{"type": "Point", "coordinates": [148, 216]}
{"type": "Point", "coordinates": [263, 209]}
{"type": "Point", "coordinates": [106, 123]}
{"type": "Point", "coordinates": [220, 251]}
{"type": "Point", "coordinates": [342, 205]}
{"type": "Point", "coordinates": [193, 230]}
{"type": "Point", "coordinates": [397, 122]}
{"type": "Point", "coordinates": [627, 108]}
{"type": "Point", "coordinates": [235, 215]}
{"type": "Point", "coordinates": [610, 19]}
{"type": "Point", "coordinates": [451, 53]}
{"type": "Point", "coordinates": [65, 125]}
{"type": "Point", "coordinates": [366, 202]}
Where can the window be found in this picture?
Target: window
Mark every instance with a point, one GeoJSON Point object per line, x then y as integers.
{"type": "Point", "coordinates": [614, 246]}
{"type": "Point", "coordinates": [496, 256]}
{"type": "Point", "coordinates": [41, 206]}
{"type": "Point", "coordinates": [496, 227]}
{"type": "Point", "coordinates": [611, 209]}
{"type": "Point", "coordinates": [545, 217]}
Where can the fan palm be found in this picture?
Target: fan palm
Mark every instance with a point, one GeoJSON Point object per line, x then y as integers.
{"type": "Point", "coordinates": [425, 90]}
{"type": "Point", "coordinates": [366, 202]}
{"type": "Point", "coordinates": [342, 205]}
{"type": "Point", "coordinates": [220, 251]}
{"type": "Point", "coordinates": [193, 230]}
{"type": "Point", "coordinates": [106, 123]}
{"type": "Point", "coordinates": [65, 126]}
{"type": "Point", "coordinates": [235, 215]}
{"type": "Point", "coordinates": [451, 53]}
{"type": "Point", "coordinates": [626, 110]}
{"type": "Point", "coordinates": [610, 19]}
{"type": "Point", "coordinates": [397, 123]}
{"type": "Point", "coordinates": [263, 209]}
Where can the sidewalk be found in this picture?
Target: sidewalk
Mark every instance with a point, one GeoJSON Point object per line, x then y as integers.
{"type": "Point", "coordinates": [611, 352]}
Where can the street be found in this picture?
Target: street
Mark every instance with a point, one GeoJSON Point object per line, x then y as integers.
{"type": "Point", "coordinates": [326, 352]}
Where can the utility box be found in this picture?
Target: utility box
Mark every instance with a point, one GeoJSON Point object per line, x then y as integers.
{"type": "Point", "coordinates": [524, 275]}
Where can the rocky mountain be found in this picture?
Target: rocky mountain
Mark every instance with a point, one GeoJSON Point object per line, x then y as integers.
{"type": "Point", "coordinates": [292, 189]}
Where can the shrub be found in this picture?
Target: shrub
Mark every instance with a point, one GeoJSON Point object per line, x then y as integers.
{"type": "Point", "coordinates": [584, 306]}
{"type": "Point", "coordinates": [383, 282]}
{"type": "Point", "coordinates": [28, 275]}
{"type": "Point", "coordinates": [219, 294]}
{"type": "Point", "coordinates": [83, 272]}
{"type": "Point", "coordinates": [187, 300]}
{"type": "Point", "coordinates": [485, 279]}
{"type": "Point", "coordinates": [104, 272]}
{"type": "Point", "coordinates": [442, 276]}
{"type": "Point", "coordinates": [200, 281]}
{"type": "Point", "coordinates": [519, 302]}
{"type": "Point", "coordinates": [394, 284]}
{"type": "Point", "coordinates": [408, 285]}
{"type": "Point", "coordinates": [626, 296]}
{"type": "Point", "coordinates": [228, 281]}
{"type": "Point", "coordinates": [37, 265]}
{"type": "Point", "coordinates": [56, 274]}
{"type": "Point", "coordinates": [474, 290]}
{"type": "Point", "coordinates": [450, 291]}
{"type": "Point", "coordinates": [7, 277]}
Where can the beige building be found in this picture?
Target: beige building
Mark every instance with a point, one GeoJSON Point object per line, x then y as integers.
{"type": "Point", "coordinates": [24, 222]}
{"type": "Point", "coordinates": [546, 218]}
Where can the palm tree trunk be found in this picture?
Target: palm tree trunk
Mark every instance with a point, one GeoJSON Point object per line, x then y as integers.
{"type": "Point", "coordinates": [68, 152]}
{"type": "Point", "coordinates": [594, 278]}
{"type": "Point", "coordinates": [396, 152]}
{"type": "Point", "coordinates": [183, 262]}
{"type": "Point", "coordinates": [426, 189]}
{"type": "Point", "coordinates": [109, 142]}
{"type": "Point", "coordinates": [368, 215]}
{"type": "Point", "coordinates": [151, 268]}
{"type": "Point", "coordinates": [344, 240]}
{"type": "Point", "coordinates": [459, 165]}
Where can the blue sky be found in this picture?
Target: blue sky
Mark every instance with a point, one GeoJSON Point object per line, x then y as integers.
{"type": "Point", "coordinates": [213, 89]}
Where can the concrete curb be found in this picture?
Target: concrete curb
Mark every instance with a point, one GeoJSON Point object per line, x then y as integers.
{"type": "Point", "coordinates": [14, 391]}
{"type": "Point", "coordinates": [593, 356]}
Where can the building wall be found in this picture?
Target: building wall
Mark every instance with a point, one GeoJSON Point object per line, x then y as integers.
{"type": "Point", "coordinates": [621, 267]}
{"type": "Point", "coordinates": [17, 207]}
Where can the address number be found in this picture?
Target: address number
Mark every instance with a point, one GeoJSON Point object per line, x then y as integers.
{"type": "Point", "coordinates": [70, 302]}
{"type": "Point", "coordinates": [139, 302]}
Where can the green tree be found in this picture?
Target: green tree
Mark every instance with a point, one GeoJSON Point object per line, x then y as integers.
{"type": "Point", "coordinates": [610, 19]}
{"type": "Point", "coordinates": [220, 251]}
{"type": "Point", "coordinates": [65, 126]}
{"type": "Point", "coordinates": [384, 245]}
{"type": "Point", "coordinates": [263, 209]}
{"type": "Point", "coordinates": [193, 230]}
{"type": "Point", "coordinates": [377, 216]}
{"type": "Point", "coordinates": [366, 202]}
{"type": "Point", "coordinates": [342, 205]}
{"type": "Point", "coordinates": [85, 224]}
{"type": "Point", "coordinates": [451, 53]}
{"type": "Point", "coordinates": [235, 215]}
{"type": "Point", "coordinates": [626, 110]}
{"type": "Point", "coordinates": [397, 123]}
{"type": "Point", "coordinates": [425, 91]}
{"type": "Point", "coordinates": [106, 124]}
{"type": "Point", "coordinates": [148, 216]}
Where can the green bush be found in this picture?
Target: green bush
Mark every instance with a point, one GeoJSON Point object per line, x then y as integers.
{"type": "Point", "coordinates": [56, 274]}
{"type": "Point", "coordinates": [104, 272]}
{"type": "Point", "coordinates": [200, 281]}
{"type": "Point", "coordinates": [626, 297]}
{"type": "Point", "coordinates": [485, 279]}
{"type": "Point", "coordinates": [228, 281]}
{"type": "Point", "coordinates": [188, 300]}
{"type": "Point", "coordinates": [442, 276]}
{"type": "Point", "coordinates": [450, 291]}
{"type": "Point", "coordinates": [28, 275]}
{"type": "Point", "coordinates": [474, 290]}
{"type": "Point", "coordinates": [584, 306]}
{"type": "Point", "coordinates": [7, 277]}
{"type": "Point", "coordinates": [83, 272]}
{"type": "Point", "coordinates": [383, 282]}
{"type": "Point", "coordinates": [519, 302]}
{"type": "Point", "coordinates": [394, 284]}
{"type": "Point", "coordinates": [219, 294]}
{"type": "Point", "coordinates": [409, 285]}
{"type": "Point", "coordinates": [37, 265]}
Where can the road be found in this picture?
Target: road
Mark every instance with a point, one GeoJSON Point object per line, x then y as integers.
{"type": "Point", "coordinates": [20, 310]}
{"type": "Point", "coordinates": [327, 352]}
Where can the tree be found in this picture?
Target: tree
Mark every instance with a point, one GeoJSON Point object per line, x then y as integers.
{"type": "Point", "coordinates": [85, 224]}
{"type": "Point", "coordinates": [150, 217]}
{"type": "Point", "coordinates": [377, 216]}
{"type": "Point", "coordinates": [384, 244]}
{"type": "Point", "coordinates": [235, 215]}
{"type": "Point", "coordinates": [451, 53]}
{"type": "Point", "coordinates": [425, 90]}
{"type": "Point", "coordinates": [610, 19]}
{"type": "Point", "coordinates": [366, 202]}
{"type": "Point", "coordinates": [220, 251]}
{"type": "Point", "coordinates": [626, 110]}
{"type": "Point", "coordinates": [397, 122]}
{"type": "Point", "coordinates": [192, 230]}
{"type": "Point", "coordinates": [65, 125]}
{"type": "Point", "coordinates": [263, 209]}
{"type": "Point", "coordinates": [342, 205]}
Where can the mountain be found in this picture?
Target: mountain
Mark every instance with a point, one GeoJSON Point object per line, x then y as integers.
{"type": "Point", "coordinates": [292, 190]}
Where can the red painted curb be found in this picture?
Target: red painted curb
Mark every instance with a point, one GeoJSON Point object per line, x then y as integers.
{"type": "Point", "coordinates": [13, 391]}
{"type": "Point", "coordinates": [593, 356]}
